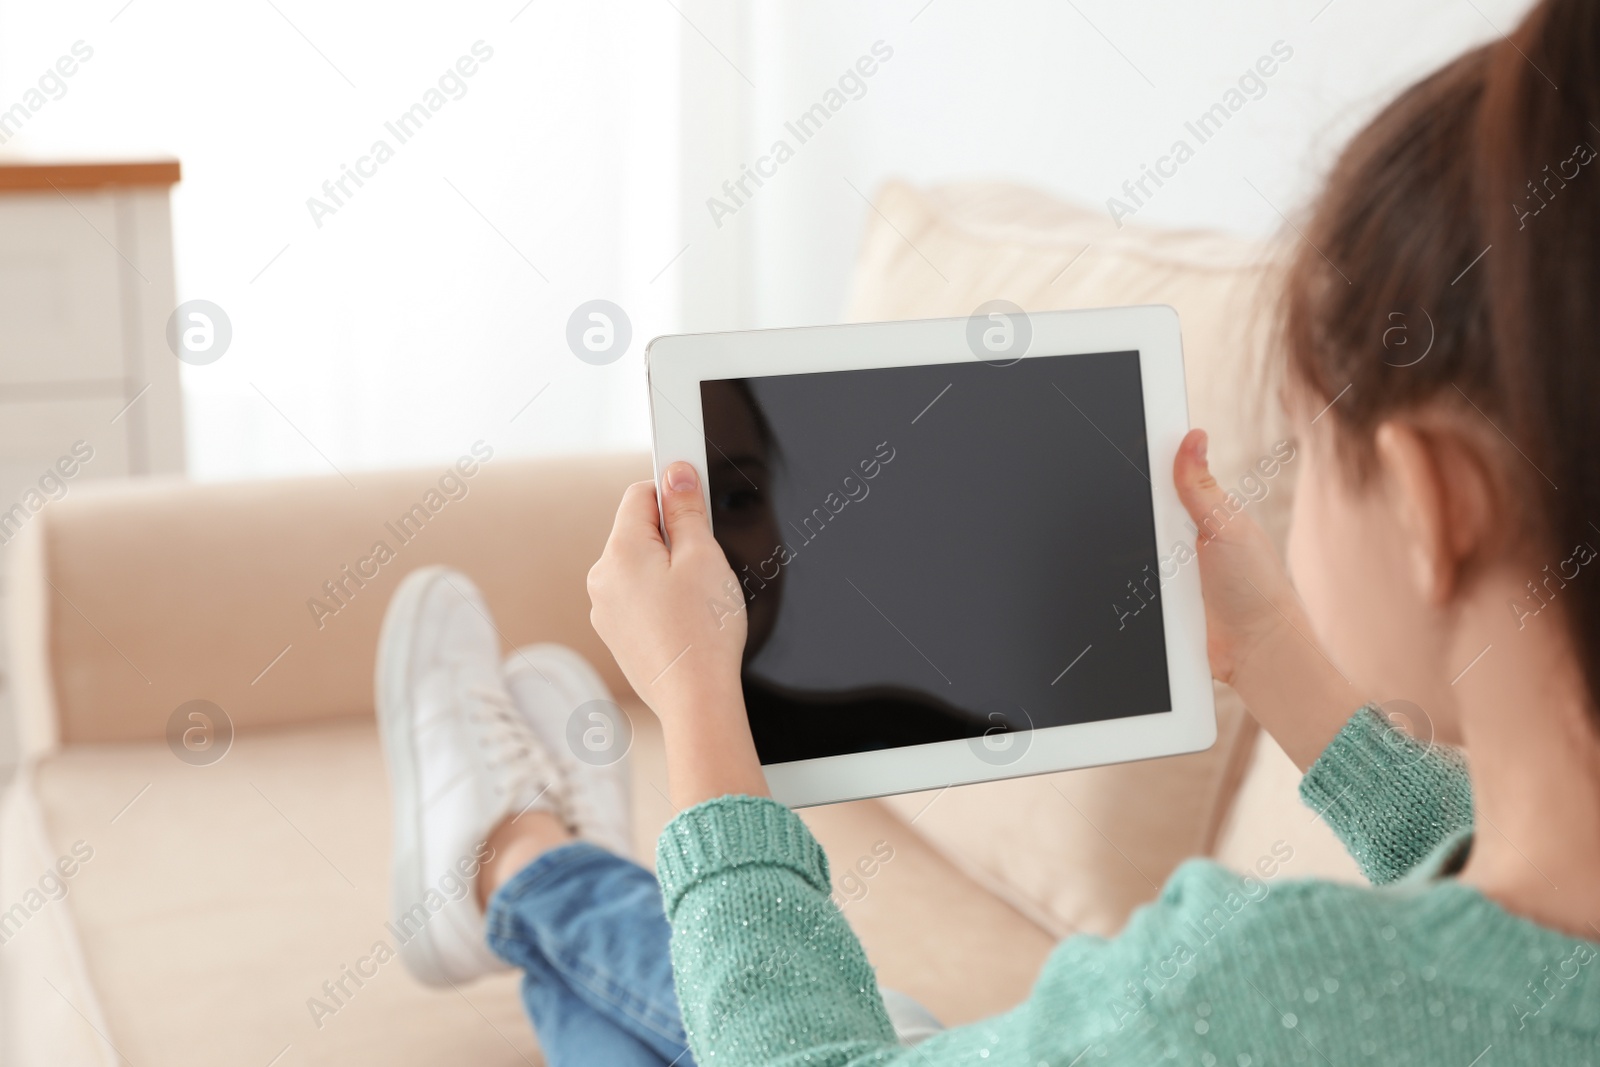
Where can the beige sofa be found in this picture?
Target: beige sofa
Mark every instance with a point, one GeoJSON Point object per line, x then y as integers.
{"type": "Point", "coordinates": [206, 904]}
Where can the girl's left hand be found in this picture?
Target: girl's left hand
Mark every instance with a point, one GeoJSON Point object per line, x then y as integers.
{"type": "Point", "coordinates": [674, 618]}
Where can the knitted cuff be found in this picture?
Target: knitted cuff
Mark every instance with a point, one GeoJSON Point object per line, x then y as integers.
{"type": "Point", "coordinates": [719, 835]}
{"type": "Point", "coordinates": [1390, 798]}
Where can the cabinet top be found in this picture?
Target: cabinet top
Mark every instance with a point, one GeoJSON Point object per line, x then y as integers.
{"type": "Point", "coordinates": [29, 177]}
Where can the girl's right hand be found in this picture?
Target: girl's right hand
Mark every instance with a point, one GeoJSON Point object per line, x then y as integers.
{"type": "Point", "coordinates": [1258, 637]}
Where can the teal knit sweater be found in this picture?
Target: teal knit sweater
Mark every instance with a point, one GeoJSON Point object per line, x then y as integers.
{"type": "Point", "coordinates": [1219, 970]}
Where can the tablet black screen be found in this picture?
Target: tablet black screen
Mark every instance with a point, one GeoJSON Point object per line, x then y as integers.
{"type": "Point", "coordinates": [939, 552]}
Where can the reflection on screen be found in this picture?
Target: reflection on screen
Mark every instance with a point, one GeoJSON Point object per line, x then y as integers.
{"type": "Point", "coordinates": [938, 552]}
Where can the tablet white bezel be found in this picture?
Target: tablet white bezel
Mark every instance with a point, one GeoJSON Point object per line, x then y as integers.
{"type": "Point", "coordinates": [676, 366]}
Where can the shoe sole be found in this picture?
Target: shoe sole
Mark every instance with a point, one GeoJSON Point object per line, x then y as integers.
{"type": "Point", "coordinates": [396, 728]}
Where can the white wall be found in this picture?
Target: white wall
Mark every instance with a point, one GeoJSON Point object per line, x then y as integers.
{"type": "Point", "coordinates": [406, 326]}
{"type": "Point", "coordinates": [1030, 91]}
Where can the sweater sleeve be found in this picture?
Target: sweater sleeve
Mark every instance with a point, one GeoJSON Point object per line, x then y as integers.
{"type": "Point", "coordinates": [767, 970]}
{"type": "Point", "coordinates": [1390, 798]}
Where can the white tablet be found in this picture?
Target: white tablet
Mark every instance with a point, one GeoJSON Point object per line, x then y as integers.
{"type": "Point", "coordinates": [959, 545]}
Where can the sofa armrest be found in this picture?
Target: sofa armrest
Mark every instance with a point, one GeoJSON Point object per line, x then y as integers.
{"type": "Point", "coordinates": [266, 598]}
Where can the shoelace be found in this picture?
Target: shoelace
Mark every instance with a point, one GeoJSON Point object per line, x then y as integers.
{"type": "Point", "coordinates": [583, 809]}
{"type": "Point", "coordinates": [515, 756]}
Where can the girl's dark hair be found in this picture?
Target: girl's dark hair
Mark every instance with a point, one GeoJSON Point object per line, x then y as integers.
{"type": "Point", "coordinates": [1468, 214]}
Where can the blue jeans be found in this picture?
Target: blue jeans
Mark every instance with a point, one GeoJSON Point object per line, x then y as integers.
{"type": "Point", "coordinates": [587, 929]}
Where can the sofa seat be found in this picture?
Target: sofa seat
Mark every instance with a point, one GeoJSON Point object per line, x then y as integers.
{"type": "Point", "coordinates": [208, 945]}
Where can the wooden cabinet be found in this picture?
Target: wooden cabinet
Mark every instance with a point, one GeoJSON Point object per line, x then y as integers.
{"type": "Point", "coordinates": [86, 288]}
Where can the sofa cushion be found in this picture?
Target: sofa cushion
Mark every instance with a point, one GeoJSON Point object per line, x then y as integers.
{"type": "Point", "coordinates": [1079, 851]}
{"type": "Point", "coordinates": [219, 899]}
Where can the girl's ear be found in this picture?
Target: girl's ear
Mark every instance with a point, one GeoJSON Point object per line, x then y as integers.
{"type": "Point", "coordinates": [1442, 496]}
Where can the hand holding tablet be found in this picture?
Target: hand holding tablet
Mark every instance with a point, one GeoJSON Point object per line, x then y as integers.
{"type": "Point", "coordinates": [946, 569]}
{"type": "Point", "coordinates": [650, 606]}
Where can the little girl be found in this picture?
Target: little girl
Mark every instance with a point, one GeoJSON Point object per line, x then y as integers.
{"type": "Point", "coordinates": [1444, 522]}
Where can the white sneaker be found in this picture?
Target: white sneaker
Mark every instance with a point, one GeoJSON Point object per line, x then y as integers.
{"type": "Point", "coordinates": [461, 760]}
{"type": "Point", "coordinates": [587, 734]}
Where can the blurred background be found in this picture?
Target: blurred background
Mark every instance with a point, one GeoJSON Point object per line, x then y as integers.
{"type": "Point", "coordinates": [428, 309]}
